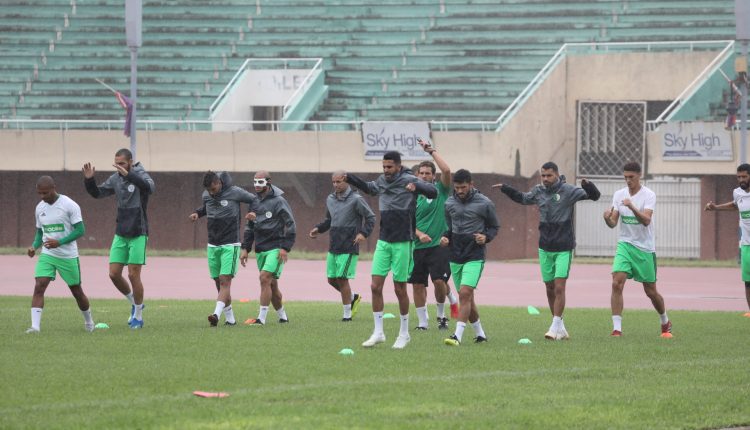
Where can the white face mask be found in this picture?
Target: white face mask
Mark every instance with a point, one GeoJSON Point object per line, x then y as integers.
{"type": "Point", "coordinates": [260, 182]}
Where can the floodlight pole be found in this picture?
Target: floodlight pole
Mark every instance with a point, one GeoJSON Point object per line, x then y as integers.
{"type": "Point", "coordinates": [133, 25]}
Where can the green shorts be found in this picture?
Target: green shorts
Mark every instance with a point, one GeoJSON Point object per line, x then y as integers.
{"type": "Point", "coordinates": [268, 261]}
{"type": "Point", "coordinates": [393, 256]}
{"type": "Point", "coordinates": [467, 274]}
{"type": "Point", "coordinates": [128, 250]}
{"type": "Point", "coordinates": [555, 264]}
{"type": "Point", "coordinates": [222, 260]}
{"type": "Point", "coordinates": [69, 269]}
{"type": "Point", "coordinates": [341, 266]}
{"type": "Point", "coordinates": [639, 265]}
{"type": "Point", "coordinates": [745, 262]}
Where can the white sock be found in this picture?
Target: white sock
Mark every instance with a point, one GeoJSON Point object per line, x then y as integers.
{"type": "Point", "coordinates": [130, 298]}
{"type": "Point", "coordinates": [460, 326]}
{"type": "Point", "coordinates": [229, 314]}
{"type": "Point", "coordinates": [441, 310]}
{"type": "Point", "coordinates": [378, 318]}
{"type": "Point", "coordinates": [617, 322]}
{"type": "Point", "coordinates": [404, 331]}
{"type": "Point", "coordinates": [478, 328]}
{"type": "Point", "coordinates": [219, 308]}
{"type": "Point", "coordinates": [139, 312]}
{"type": "Point", "coordinates": [562, 323]}
{"type": "Point", "coordinates": [87, 316]}
{"type": "Point", "coordinates": [422, 316]}
{"type": "Point", "coordinates": [282, 313]}
{"type": "Point", "coordinates": [36, 318]}
{"type": "Point", "coordinates": [452, 296]}
{"type": "Point", "coordinates": [556, 323]}
{"type": "Point", "coordinates": [348, 311]}
{"type": "Point", "coordinates": [352, 295]}
{"type": "Point", "coordinates": [262, 314]}
{"type": "Point", "coordinates": [664, 318]}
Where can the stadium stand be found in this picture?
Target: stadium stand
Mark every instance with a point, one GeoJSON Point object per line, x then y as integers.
{"type": "Point", "coordinates": [384, 60]}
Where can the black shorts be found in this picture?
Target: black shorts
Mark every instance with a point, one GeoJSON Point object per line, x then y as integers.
{"type": "Point", "coordinates": [432, 261]}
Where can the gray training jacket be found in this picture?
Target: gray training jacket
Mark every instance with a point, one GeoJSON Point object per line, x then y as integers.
{"type": "Point", "coordinates": [224, 212]}
{"type": "Point", "coordinates": [346, 217]}
{"type": "Point", "coordinates": [274, 225]}
{"type": "Point", "coordinates": [398, 206]}
{"type": "Point", "coordinates": [132, 193]}
{"type": "Point", "coordinates": [556, 232]}
{"type": "Point", "coordinates": [465, 217]}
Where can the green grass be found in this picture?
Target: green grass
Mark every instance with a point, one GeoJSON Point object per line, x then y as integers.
{"type": "Point", "coordinates": [291, 376]}
{"type": "Point", "coordinates": [367, 256]}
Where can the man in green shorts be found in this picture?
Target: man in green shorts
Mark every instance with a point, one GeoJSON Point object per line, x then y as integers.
{"type": "Point", "coordinates": [350, 220]}
{"type": "Point", "coordinates": [58, 225]}
{"type": "Point", "coordinates": [636, 251]}
{"type": "Point", "coordinates": [395, 189]}
{"type": "Point", "coordinates": [221, 204]}
{"type": "Point", "coordinates": [273, 230]}
{"type": "Point", "coordinates": [430, 259]}
{"type": "Point", "coordinates": [472, 224]}
{"type": "Point", "coordinates": [556, 200]}
{"type": "Point", "coordinates": [132, 187]}
{"type": "Point", "coordinates": [741, 202]}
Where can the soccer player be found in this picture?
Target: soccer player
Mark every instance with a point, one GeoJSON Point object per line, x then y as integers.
{"type": "Point", "coordinates": [472, 224]}
{"type": "Point", "coordinates": [741, 202]}
{"type": "Point", "coordinates": [221, 204]}
{"type": "Point", "coordinates": [395, 189]}
{"type": "Point", "coordinates": [350, 220]}
{"type": "Point", "coordinates": [636, 252]}
{"type": "Point", "coordinates": [273, 230]}
{"type": "Point", "coordinates": [556, 200]}
{"type": "Point", "coordinates": [132, 187]}
{"type": "Point", "coordinates": [58, 225]}
{"type": "Point", "coordinates": [430, 259]}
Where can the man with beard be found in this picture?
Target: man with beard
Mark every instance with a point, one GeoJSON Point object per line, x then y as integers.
{"type": "Point", "coordinates": [472, 224]}
{"type": "Point", "coordinates": [556, 200]}
{"type": "Point", "coordinates": [741, 202]}
{"type": "Point", "coordinates": [395, 189]}
{"type": "Point", "coordinates": [636, 250]}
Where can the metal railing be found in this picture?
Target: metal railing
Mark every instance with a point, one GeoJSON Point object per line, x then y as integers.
{"type": "Point", "coordinates": [267, 63]}
{"type": "Point", "coordinates": [164, 124]}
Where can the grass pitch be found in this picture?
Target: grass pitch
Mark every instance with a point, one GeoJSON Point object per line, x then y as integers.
{"type": "Point", "coordinates": [291, 376]}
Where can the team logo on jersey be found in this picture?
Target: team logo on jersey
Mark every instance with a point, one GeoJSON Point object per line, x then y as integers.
{"type": "Point", "coordinates": [223, 202]}
{"type": "Point", "coordinates": [428, 201]}
{"type": "Point", "coordinates": [43, 214]}
{"type": "Point", "coordinates": [556, 197]}
{"type": "Point", "coordinates": [131, 188]}
{"type": "Point", "coordinates": [269, 214]}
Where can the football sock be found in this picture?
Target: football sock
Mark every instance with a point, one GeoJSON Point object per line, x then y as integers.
{"type": "Point", "coordinates": [378, 318]}
{"type": "Point", "coordinates": [282, 313]}
{"type": "Point", "coordinates": [452, 296]}
{"type": "Point", "coordinates": [229, 314]}
{"type": "Point", "coordinates": [219, 308]}
{"type": "Point", "coordinates": [87, 316]}
{"type": "Point", "coordinates": [422, 316]}
{"type": "Point", "coordinates": [36, 318]}
{"type": "Point", "coordinates": [404, 325]}
{"type": "Point", "coordinates": [139, 312]}
{"type": "Point", "coordinates": [441, 310]}
{"type": "Point", "coordinates": [460, 326]}
{"type": "Point", "coordinates": [348, 311]}
{"type": "Point", "coordinates": [478, 328]}
{"type": "Point", "coordinates": [262, 314]}
{"type": "Point", "coordinates": [664, 318]}
{"type": "Point", "coordinates": [130, 298]}
{"type": "Point", "coordinates": [617, 322]}
{"type": "Point", "coordinates": [556, 323]}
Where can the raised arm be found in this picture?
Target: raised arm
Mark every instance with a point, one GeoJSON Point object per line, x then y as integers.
{"type": "Point", "coordinates": [445, 170]}
{"type": "Point", "coordinates": [728, 206]}
{"type": "Point", "coordinates": [517, 196]}
{"type": "Point", "coordinates": [366, 187]}
{"type": "Point", "coordinates": [142, 180]}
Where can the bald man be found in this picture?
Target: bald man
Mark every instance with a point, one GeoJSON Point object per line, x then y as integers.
{"type": "Point", "coordinates": [58, 225]}
{"type": "Point", "coordinates": [271, 227]}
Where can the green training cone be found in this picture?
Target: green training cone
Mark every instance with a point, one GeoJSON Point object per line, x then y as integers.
{"type": "Point", "coordinates": [532, 310]}
{"type": "Point", "coordinates": [524, 341]}
{"type": "Point", "coordinates": [346, 351]}
{"type": "Point", "coordinates": [388, 316]}
{"type": "Point", "coordinates": [101, 325]}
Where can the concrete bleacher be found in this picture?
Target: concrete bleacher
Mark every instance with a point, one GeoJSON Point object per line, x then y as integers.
{"type": "Point", "coordinates": [384, 60]}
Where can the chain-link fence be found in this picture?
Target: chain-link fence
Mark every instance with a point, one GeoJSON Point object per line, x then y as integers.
{"type": "Point", "coordinates": [610, 134]}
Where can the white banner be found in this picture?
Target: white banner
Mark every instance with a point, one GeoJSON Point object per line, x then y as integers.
{"type": "Point", "coordinates": [381, 137]}
{"type": "Point", "coordinates": [695, 141]}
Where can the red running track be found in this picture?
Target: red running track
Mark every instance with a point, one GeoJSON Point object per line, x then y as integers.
{"type": "Point", "coordinates": [503, 284]}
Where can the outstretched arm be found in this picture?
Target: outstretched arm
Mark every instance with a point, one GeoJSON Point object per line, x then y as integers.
{"type": "Point", "coordinates": [515, 195]}
{"type": "Point", "coordinates": [367, 187]}
{"type": "Point", "coordinates": [592, 193]}
{"type": "Point", "coordinates": [728, 206]}
{"type": "Point", "coordinates": [445, 170]}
